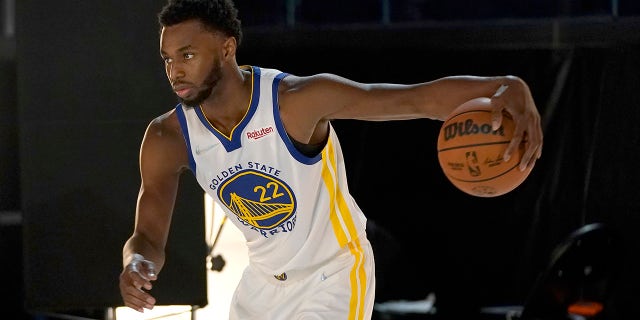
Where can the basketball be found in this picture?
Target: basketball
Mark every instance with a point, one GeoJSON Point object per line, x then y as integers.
{"type": "Point", "coordinates": [470, 152]}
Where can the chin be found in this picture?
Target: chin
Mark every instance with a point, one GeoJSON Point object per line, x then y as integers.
{"type": "Point", "coordinates": [190, 102]}
{"type": "Point", "coordinates": [197, 100]}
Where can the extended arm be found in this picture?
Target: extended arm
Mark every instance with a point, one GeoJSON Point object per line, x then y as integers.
{"type": "Point", "coordinates": [317, 99]}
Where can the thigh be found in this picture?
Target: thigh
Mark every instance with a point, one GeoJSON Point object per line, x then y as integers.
{"type": "Point", "coordinates": [254, 297]}
{"type": "Point", "coordinates": [344, 289]}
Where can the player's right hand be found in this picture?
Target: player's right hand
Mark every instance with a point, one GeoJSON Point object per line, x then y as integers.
{"type": "Point", "coordinates": [135, 281]}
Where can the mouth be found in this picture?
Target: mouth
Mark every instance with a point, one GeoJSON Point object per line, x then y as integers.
{"type": "Point", "coordinates": [182, 90]}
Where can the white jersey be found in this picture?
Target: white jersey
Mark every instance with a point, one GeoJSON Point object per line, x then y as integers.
{"type": "Point", "coordinates": [295, 211]}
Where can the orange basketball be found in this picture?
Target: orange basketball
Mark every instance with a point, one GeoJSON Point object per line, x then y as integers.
{"type": "Point", "coordinates": [470, 152]}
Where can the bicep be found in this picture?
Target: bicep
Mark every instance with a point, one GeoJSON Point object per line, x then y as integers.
{"type": "Point", "coordinates": [328, 97]}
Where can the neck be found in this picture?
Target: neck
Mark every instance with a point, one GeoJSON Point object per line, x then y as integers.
{"type": "Point", "coordinates": [229, 100]}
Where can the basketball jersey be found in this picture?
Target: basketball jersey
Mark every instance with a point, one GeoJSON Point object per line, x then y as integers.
{"type": "Point", "coordinates": [295, 211]}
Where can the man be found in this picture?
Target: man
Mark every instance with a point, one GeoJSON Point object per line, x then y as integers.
{"type": "Point", "coordinates": [261, 143]}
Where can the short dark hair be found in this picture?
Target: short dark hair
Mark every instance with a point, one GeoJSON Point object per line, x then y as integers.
{"type": "Point", "coordinates": [216, 15]}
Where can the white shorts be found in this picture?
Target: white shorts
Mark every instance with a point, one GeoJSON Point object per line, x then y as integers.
{"type": "Point", "coordinates": [342, 288]}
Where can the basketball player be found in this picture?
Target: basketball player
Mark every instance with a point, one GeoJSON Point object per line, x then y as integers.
{"type": "Point", "coordinates": [261, 143]}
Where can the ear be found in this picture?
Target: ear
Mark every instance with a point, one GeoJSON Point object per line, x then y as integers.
{"type": "Point", "coordinates": [229, 48]}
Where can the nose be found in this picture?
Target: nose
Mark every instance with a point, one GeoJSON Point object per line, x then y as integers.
{"type": "Point", "coordinates": [174, 72]}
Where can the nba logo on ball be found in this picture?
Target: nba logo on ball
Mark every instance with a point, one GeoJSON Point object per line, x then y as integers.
{"type": "Point", "coordinates": [470, 153]}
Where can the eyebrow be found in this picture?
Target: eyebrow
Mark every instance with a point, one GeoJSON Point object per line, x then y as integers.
{"type": "Point", "coordinates": [181, 49]}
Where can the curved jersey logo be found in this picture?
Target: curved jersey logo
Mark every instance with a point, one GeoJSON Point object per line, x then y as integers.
{"type": "Point", "coordinates": [261, 200]}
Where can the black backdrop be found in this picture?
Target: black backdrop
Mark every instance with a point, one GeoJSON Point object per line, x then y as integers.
{"type": "Point", "coordinates": [89, 80]}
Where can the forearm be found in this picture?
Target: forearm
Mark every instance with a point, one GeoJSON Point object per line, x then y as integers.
{"type": "Point", "coordinates": [434, 99]}
{"type": "Point", "coordinates": [443, 95]}
{"type": "Point", "coordinates": [152, 223]}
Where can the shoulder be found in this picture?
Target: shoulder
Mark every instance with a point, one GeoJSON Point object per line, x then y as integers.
{"type": "Point", "coordinates": [325, 92]}
{"type": "Point", "coordinates": [293, 81]}
{"type": "Point", "coordinates": [163, 139]}
{"type": "Point", "coordinates": [165, 126]}
{"type": "Point", "coordinates": [316, 84]}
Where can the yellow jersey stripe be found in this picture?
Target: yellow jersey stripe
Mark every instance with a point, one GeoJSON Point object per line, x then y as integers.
{"type": "Point", "coordinates": [357, 276]}
{"type": "Point", "coordinates": [331, 187]}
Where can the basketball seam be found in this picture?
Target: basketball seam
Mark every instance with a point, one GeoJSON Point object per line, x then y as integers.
{"type": "Point", "coordinates": [473, 145]}
{"type": "Point", "coordinates": [483, 180]}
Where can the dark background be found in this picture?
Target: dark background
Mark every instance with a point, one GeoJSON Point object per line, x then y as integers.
{"type": "Point", "coordinates": [80, 80]}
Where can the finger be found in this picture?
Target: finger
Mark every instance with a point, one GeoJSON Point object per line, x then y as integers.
{"type": "Point", "coordinates": [498, 107]}
{"type": "Point", "coordinates": [539, 140]}
{"type": "Point", "coordinates": [536, 153]}
{"type": "Point", "coordinates": [150, 269]}
{"type": "Point", "coordinates": [131, 291]}
{"type": "Point", "coordinates": [144, 284]}
{"type": "Point", "coordinates": [532, 153]}
{"type": "Point", "coordinates": [514, 144]}
{"type": "Point", "coordinates": [141, 282]}
{"type": "Point", "coordinates": [144, 268]}
{"type": "Point", "coordinates": [529, 165]}
{"type": "Point", "coordinates": [539, 153]}
{"type": "Point", "coordinates": [496, 118]}
{"type": "Point", "coordinates": [133, 266]}
{"type": "Point", "coordinates": [528, 159]}
{"type": "Point", "coordinates": [139, 300]}
{"type": "Point", "coordinates": [533, 143]}
{"type": "Point", "coordinates": [137, 280]}
{"type": "Point", "coordinates": [133, 294]}
{"type": "Point", "coordinates": [134, 302]}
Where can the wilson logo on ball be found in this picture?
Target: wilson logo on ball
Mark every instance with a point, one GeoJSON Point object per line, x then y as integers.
{"type": "Point", "coordinates": [469, 127]}
{"type": "Point", "coordinates": [470, 153]}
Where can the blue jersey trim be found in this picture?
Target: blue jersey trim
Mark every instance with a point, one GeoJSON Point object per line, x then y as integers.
{"type": "Point", "coordinates": [185, 132]}
{"type": "Point", "coordinates": [281, 130]}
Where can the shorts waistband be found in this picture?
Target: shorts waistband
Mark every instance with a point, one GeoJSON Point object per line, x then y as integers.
{"type": "Point", "coordinates": [288, 276]}
{"type": "Point", "coordinates": [294, 275]}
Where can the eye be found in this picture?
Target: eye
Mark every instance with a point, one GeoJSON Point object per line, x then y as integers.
{"type": "Point", "coordinates": [188, 56]}
{"type": "Point", "coordinates": [167, 60]}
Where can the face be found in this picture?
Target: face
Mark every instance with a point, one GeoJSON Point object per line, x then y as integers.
{"type": "Point", "coordinates": [193, 60]}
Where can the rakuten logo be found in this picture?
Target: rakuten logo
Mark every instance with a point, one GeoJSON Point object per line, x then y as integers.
{"type": "Point", "coordinates": [257, 134]}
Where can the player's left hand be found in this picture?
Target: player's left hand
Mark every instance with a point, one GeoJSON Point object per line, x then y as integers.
{"type": "Point", "coordinates": [515, 97]}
